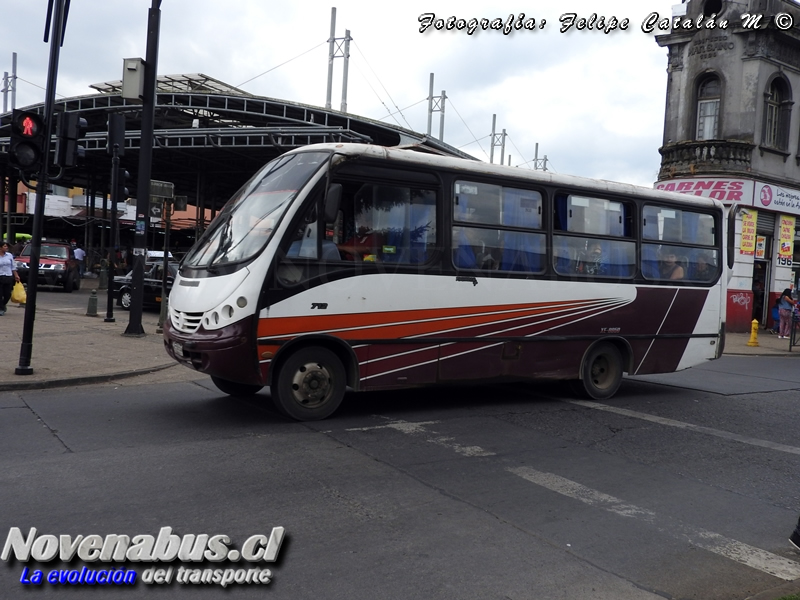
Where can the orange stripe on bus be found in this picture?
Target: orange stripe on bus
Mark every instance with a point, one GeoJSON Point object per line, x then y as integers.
{"type": "Point", "coordinates": [400, 324]}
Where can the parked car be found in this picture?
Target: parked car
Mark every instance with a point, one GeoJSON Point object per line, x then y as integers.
{"type": "Point", "coordinates": [57, 265]}
{"type": "Point", "coordinates": [151, 295]}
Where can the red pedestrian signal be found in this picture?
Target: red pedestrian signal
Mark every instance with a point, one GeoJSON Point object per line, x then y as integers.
{"type": "Point", "coordinates": [29, 126]}
{"type": "Point", "coordinates": [27, 141]}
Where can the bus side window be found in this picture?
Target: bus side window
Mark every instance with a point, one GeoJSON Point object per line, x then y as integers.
{"type": "Point", "coordinates": [565, 254]}
{"type": "Point", "coordinates": [522, 251]}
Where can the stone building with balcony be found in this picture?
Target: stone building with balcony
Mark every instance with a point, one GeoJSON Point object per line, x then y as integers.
{"type": "Point", "coordinates": [732, 132]}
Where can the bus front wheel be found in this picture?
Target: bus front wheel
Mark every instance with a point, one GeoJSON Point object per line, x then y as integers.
{"type": "Point", "coordinates": [601, 374]}
{"type": "Point", "coordinates": [233, 388]}
{"type": "Point", "coordinates": [309, 385]}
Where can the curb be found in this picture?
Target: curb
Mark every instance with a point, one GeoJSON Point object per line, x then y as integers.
{"type": "Point", "coordinates": [762, 355]}
{"type": "Point", "coordinates": [85, 380]}
{"type": "Point", "coordinates": [787, 589]}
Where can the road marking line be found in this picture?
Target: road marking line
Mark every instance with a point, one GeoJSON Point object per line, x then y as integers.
{"type": "Point", "coordinates": [402, 426]}
{"type": "Point", "coordinates": [681, 425]}
{"type": "Point", "coordinates": [419, 429]}
{"type": "Point", "coordinates": [755, 558]}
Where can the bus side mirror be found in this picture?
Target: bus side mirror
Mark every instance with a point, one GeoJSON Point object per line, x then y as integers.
{"type": "Point", "coordinates": [332, 201]}
{"type": "Point", "coordinates": [732, 214]}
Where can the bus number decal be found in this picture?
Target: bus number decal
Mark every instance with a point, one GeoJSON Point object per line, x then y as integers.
{"type": "Point", "coordinates": [319, 305]}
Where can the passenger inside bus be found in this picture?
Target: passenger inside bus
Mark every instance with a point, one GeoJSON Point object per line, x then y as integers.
{"type": "Point", "coordinates": [671, 266]}
{"type": "Point", "coordinates": [593, 260]}
{"type": "Point", "coordinates": [363, 245]}
{"type": "Point", "coordinates": [700, 269]}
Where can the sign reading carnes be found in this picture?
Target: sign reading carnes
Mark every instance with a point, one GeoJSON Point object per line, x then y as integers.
{"type": "Point", "coordinates": [727, 190]}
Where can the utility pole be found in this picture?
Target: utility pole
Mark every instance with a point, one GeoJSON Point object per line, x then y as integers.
{"type": "Point", "coordinates": [337, 50]}
{"type": "Point", "coordinates": [10, 85]}
{"type": "Point", "coordinates": [498, 139]}
{"type": "Point", "coordinates": [145, 168]}
{"type": "Point", "coordinates": [436, 104]}
{"type": "Point", "coordinates": [539, 163]}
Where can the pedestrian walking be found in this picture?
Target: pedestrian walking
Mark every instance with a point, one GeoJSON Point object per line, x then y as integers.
{"type": "Point", "coordinates": [80, 256]}
{"type": "Point", "coordinates": [785, 306]}
{"type": "Point", "coordinates": [8, 276]}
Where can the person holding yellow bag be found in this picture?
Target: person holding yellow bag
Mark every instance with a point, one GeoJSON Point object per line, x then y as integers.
{"type": "Point", "coordinates": [8, 275]}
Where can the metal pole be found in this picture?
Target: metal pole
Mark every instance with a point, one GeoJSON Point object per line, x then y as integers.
{"type": "Point", "coordinates": [430, 105]}
{"type": "Point", "coordinates": [441, 118]}
{"type": "Point", "coordinates": [26, 348]}
{"type": "Point", "coordinates": [5, 91]}
{"type": "Point", "coordinates": [145, 168]}
{"type": "Point", "coordinates": [167, 209]}
{"type": "Point", "coordinates": [112, 255]}
{"type": "Point", "coordinates": [331, 52]}
{"type": "Point", "coordinates": [491, 147]}
{"type": "Point", "coordinates": [4, 233]}
{"type": "Point", "coordinates": [346, 65]}
{"type": "Point", "coordinates": [503, 149]}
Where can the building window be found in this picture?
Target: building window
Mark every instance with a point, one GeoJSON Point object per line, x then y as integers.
{"type": "Point", "coordinates": [712, 7]}
{"type": "Point", "coordinates": [777, 107]}
{"type": "Point", "coordinates": [708, 97]}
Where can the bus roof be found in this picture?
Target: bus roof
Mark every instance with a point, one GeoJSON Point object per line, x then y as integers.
{"type": "Point", "coordinates": [417, 157]}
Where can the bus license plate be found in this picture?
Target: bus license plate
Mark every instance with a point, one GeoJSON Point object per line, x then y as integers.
{"type": "Point", "coordinates": [177, 348]}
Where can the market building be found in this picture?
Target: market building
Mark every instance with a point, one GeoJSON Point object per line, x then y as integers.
{"type": "Point", "coordinates": [209, 138]}
{"type": "Point", "coordinates": [732, 132]}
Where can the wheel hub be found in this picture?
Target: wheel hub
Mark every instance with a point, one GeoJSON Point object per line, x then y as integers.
{"type": "Point", "coordinates": [600, 372]}
{"type": "Point", "coordinates": [311, 384]}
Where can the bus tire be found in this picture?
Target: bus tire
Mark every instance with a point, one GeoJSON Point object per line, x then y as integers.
{"type": "Point", "coordinates": [233, 388]}
{"type": "Point", "coordinates": [310, 384]}
{"type": "Point", "coordinates": [601, 373]}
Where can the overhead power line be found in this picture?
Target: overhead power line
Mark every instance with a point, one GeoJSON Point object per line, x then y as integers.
{"type": "Point", "coordinates": [475, 139]}
{"type": "Point", "coordinates": [283, 63]}
{"type": "Point", "coordinates": [383, 86]}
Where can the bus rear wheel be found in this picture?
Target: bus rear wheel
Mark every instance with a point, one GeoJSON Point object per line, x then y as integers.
{"type": "Point", "coordinates": [310, 384]}
{"type": "Point", "coordinates": [233, 388]}
{"type": "Point", "coordinates": [601, 374]}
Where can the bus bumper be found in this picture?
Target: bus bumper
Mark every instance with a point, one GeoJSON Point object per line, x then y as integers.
{"type": "Point", "coordinates": [228, 353]}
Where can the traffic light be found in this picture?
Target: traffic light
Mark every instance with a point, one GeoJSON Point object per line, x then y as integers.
{"type": "Point", "coordinates": [27, 141]}
{"type": "Point", "coordinates": [70, 127]}
{"type": "Point", "coordinates": [116, 134]}
{"type": "Point", "coordinates": [123, 177]}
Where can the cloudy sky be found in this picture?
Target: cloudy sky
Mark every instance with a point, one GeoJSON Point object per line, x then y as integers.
{"type": "Point", "coordinates": [593, 101]}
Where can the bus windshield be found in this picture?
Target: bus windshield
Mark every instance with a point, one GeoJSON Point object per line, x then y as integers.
{"type": "Point", "coordinates": [245, 225]}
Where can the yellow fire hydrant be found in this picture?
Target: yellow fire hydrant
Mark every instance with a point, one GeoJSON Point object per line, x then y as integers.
{"type": "Point", "coordinates": [753, 334]}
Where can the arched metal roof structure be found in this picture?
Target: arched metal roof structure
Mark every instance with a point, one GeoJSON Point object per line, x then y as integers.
{"type": "Point", "coordinates": [209, 137]}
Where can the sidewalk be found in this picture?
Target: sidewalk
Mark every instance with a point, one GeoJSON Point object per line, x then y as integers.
{"type": "Point", "coordinates": [768, 345]}
{"type": "Point", "coordinates": [70, 348]}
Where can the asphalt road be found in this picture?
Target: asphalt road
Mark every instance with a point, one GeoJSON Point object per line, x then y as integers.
{"type": "Point", "coordinates": [682, 486]}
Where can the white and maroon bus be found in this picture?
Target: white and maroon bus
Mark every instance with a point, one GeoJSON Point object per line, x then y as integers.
{"type": "Point", "coordinates": [354, 266]}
